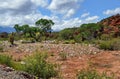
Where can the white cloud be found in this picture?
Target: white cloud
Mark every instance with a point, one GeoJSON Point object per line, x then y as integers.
{"type": "Point", "coordinates": [64, 7]}
{"type": "Point", "coordinates": [92, 19]}
{"type": "Point", "coordinates": [69, 13]}
{"type": "Point", "coordinates": [85, 15]}
{"type": "Point", "coordinates": [61, 24]}
{"type": "Point", "coordinates": [112, 12]}
{"type": "Point", "coordinates": [42, 3]}
{"type": "Point", "coordinates": [20, 11]}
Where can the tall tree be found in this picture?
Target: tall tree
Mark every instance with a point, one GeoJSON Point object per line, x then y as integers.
{"type": "Point", "coordinates": [44, 24]}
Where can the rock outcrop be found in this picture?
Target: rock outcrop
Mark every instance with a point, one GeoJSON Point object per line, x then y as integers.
{"type": "Point", "coordinates": [9, 73]}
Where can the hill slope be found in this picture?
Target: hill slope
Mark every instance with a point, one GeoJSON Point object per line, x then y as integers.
{"type": "Point", "coordinates": [111, 24]}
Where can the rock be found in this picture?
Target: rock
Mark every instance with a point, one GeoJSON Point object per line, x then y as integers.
{"type": "Point", "coordinates": [9, 73]}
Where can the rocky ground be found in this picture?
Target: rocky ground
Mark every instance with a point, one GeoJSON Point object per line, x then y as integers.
{"type": "Point", "coordinates": [79, 56]}
{"type": "Point", "coordinates": [9, 73]}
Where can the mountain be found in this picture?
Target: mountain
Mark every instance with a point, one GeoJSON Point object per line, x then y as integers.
{"type": "Point", "coordinates": [7, 29]}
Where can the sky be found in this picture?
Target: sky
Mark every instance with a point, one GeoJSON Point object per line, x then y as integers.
{"type": "Point", "coordinates": [64, 13]}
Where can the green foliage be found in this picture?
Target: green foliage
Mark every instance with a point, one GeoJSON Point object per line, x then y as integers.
{"type": "Point", "coordinates": [63, 56]}
{"type": "Point", "coordinates": [78, 38]}
{"type": "Point", "coordinates": [93, 74]}
{"type": "Point", "coordinates": [1, 49]}
{"type": "Point", "coordinates": [44, 24]}
{"type": "Point", "coordinates": [69, 42]}
{"type": "Point", "coordinates": [113, 44]}
{"type": "Point", "coordinates": [106, 37]}
{"type": "Point", "coordinates": [6, 60]}
{"type": "Point", "coordinates": [87, 30]}
{"type": "Point", "coordinates": [106, 45]}
{"type": "Point", "coordinates": [38, 66]}
{"type": "Point", "coordinates": [66, 34]}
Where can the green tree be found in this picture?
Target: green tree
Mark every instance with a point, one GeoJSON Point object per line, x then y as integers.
{"type": "Point", "coordinates": [44, 24]}
{"type": "Point", "coordinates": [18, 28]}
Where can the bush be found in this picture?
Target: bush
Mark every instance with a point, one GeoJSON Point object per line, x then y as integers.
{"type": "Point", "coordinates": [113, 44]}
{"type": "Point", "coordinates": [6, 60]}
{"type": "Point", "coordinates": [106, 45]}
{"type": "Point", "coordinates": [1, 49]}
{"type": "Point", "coordinates": [11, 38]}
{"type": "Point", "coordinates": [69, 42]}
{"type": "Point", "coordinates": [38, 66]}
{"type": "Point", "coordinates": [106, 37]}
{"type": "Point", "coordinates": [93, 74]}
{"type": "Point", "coordinates": [78, 38]}
{"type": "Point", "coordinates": [63, 56]}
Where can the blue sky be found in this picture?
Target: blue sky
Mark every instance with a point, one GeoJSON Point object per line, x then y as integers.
{"type": "Point", "coordinates": [65, 13]}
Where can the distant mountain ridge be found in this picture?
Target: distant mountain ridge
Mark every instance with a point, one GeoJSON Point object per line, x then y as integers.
{"type": "Point", "coordinates": [7, 29]}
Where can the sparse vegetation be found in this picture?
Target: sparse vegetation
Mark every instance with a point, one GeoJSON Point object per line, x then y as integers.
{"type": "Point", "coordinates": [6, 60]}
{"type": "Point", "coordinates": [93, 74]}
{"type": "Point", "coordinates": [38, 66]}
{"type": "Point", "coordinates": [63, 56]}
{"type": "Point", "coordinates": [113, 44]}
{"type": "Point", "coordinates": [1, 49]}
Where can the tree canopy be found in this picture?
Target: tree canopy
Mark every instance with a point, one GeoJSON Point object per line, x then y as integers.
{"type": "Point", "coordinates": [44, 24]}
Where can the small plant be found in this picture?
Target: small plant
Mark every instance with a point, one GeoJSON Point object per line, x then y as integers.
{"type": "Point", "coordinates": [93, 74]}
{"type": "Point", "coordinates": [1, 49]}
{"type": "Point", "coordinates": [38, 66]}
{"type": "Point", "coordinates": [63, 56]}
{"type": "Point", "coordinates": [11, 39]}
{"type": "Point", "coordinates": [6, 60]}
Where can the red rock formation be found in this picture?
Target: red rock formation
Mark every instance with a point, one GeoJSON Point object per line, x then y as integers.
{"type": "Point", "coordinates": [113, 23]}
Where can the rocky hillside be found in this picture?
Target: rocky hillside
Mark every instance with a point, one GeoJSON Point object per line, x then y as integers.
{"type": "Point", "coordinates": [112, 23]}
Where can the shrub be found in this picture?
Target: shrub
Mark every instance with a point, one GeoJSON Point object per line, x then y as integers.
{"type": "Point", "coordinates": [106, 45]}
{"type": "Point", "coordinates": [69, 42]}
{"type": "Point", "coordinates": [106, 37]}
{"type": "Point", "coordinates": [63, 56]}
{"type": "Point", "coordinates": [93, 74]}
{"type": "Point", "coordinates": [38, 66]}
{"type": "Point", "coordinates": [78, 38]}
{"type": "Point", "coordinates": [11, 38]}
{"type": "Point", "coordinates": [1, 49]}
{"type": "Point", "coordinates": [113, 44]}
{"type": "Point", "coordinates": [6, 60]}
{"type": "Point", "coordinates": [116, 44]}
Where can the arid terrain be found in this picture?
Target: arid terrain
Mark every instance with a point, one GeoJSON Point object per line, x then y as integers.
{"type": "Point", "coordinates": [79, 56]}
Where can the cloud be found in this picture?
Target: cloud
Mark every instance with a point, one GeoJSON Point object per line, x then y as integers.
{"type": "Point", "coordinates": [42, 3]}
{"type": "Point", "coordinates": [64, 7]}
{"type": "Point", "coordinates": [20, 11]}
{"type": "Point", "coordinates": [85, 15]}
{"type": "Point", "coordinates": [69, 13]}
{"type": "Point", "coordinates": [92, 19]}
{"type": "Point", "coordinates": [112, 12]}
{"type": "Point", "coordinates": [61, 24]}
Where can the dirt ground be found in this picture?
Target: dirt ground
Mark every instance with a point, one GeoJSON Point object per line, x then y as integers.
{"type": "Point", "coordinates": [108, 61]}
